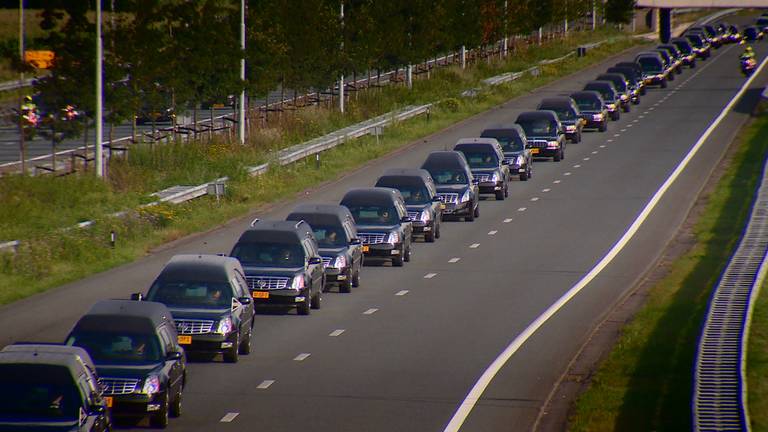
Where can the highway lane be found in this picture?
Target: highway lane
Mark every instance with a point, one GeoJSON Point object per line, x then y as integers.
{"type": "Point", "coordinates": [409, 364]}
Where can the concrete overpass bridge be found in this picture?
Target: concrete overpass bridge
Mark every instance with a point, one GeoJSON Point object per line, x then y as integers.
{"type": "Point", "coordinates": [665, 9]}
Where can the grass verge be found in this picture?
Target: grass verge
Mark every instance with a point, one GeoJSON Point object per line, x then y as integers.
{"type": "Point", "coordinates": [34, 210]}
{"type": "Point", "coordinates": [646, 381]}
{"type": "Point", "coordinates": [757, 363]}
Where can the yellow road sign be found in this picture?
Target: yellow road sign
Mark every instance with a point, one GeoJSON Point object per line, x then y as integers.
{"type": "Point", "coordinates": [40, 59]}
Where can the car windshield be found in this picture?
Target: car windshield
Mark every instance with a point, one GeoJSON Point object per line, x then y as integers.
{"type": "Point", "coordinates": [329, 236]}
{"type": "Point", "coordinates": [684, 47]}
{"type": "Point", "coordinates": [563, 113]}
{"type": "Point", "coordinates": [649, 64]}
{"type": "Point", "coordinates": [589, 104]}
{"type": "Point", "coordinates": [38, 393]}
{"type": "Point", "coordinates": [269, 254]}
{"type": "Point", "coordinates": [414, 194]}
{"type": "Point", "coordinates": [481, 159]}
{"type": "Point", "coordinates": [118, 348]}
{"type": "Point", "coordinates": [538, 127]}
{"type": "Point", "coordinates": [696, 41]}
{"type": "Point", "coordinates": [620, 85]}
{"type": "Point", "coordinates": [374, 214]}
{"type": "Point", "coordinates": [449, 176]}
{"type": "Point", "coordinates": [510, 144]}
{"type": "Point", "coordinates": [197, 294]}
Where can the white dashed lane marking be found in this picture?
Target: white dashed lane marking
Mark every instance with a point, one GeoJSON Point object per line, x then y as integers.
{"type": "Point", "coordinates": [595, 152]}
{"type": "Point", "coordinates": [567, 173]}
{"type": "Point", "coordinates": [265, 384]}
{"type": "Point", "coordinates": [336, 332]}
{"type": "Point", "coordinates": [522, 209]}
{"type": "Point", "coordinates": [455, 259]}
{"type": "Point", "coordinates": [507, 220]}
{"type": "Point", "coordinates": [586, 158]}
{"type": "Point", "coordinates": [546, 190]}
{"type": "Point", "coordinates": [474, 245]}
{"type": "Point", "coordinates": [640, 116]}
{"type": "Point", "coordinates": [430, 275]}
{"type": "Point", "coordinates": [616, 135]}
{"type": "Point", "coordinates": [535, 199]}
{"type": "Point", "coordinates": [302, 357]}
{"type": "Point", "coordinates": [401, 293]}
{"type": "Point", "coordinates": [229, 417]}
{"type": "Point", "coordinates": [577, 166]}
{"type": "Point", "coordinates": [370, 311]}
{"type": "Point", "coordinates": [556, 182]}
{"type": "Point", "coordinates": [492, 232]}
{"type": "Point", "coordinates": [623, 130]}
{"type": "Point", "coordinates": [602, 145]}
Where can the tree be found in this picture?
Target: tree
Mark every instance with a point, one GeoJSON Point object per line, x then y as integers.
{"type": "Point", "coordinates": [619, 11]}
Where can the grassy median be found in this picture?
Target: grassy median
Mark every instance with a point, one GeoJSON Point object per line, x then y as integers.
{"type": "Point", "coordinates": [35, 209]}
{"type": "Point", "coordinates": [645, 384]}
{"type": "Point", "coordinates": [757, 363]}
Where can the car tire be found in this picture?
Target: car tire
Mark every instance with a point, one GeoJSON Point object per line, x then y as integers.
{"type": "Point", "coordinates": [429, 237]}
{"type": "Point", "coordinates": [398, 260]}
{"type": "Point", "coordinates": [626, 108]}
{"type": "Point", "coordinates": [524, 175]}
{"type": "Point", "coordinates": [603, 126]}
{"type": "Point", "coordinates": [159, 419]}
{"type": "Point", "coordinates": [578, 137]}
{"type": "Point", "coordinates": [476, 213]}
{"type": "Point", "coordinates": [671, 76]}
{"type": "Point", "coordinates": [664, 83]}
{"type": "Point", "coordinates": [175, 409]}
{"type": "Point", "coordinates": [470, 217]}
{"type": "Point", "coordinates": [499, 195]}
{"type": "Point", "coordinates": [316, 300]}
{"type": "Point", "coordinates": [232, 355]}
{"type": "Point", "coordinates": [345, 287]}
{"type": "Point", "coordinates": [437, 230]}
{"type": "Point", "coordinates": [636, 101]}
{"type": "Point", "coordinates": [693, 64]}
{"type": "Point", "coordinates": [304, 307]}
{"type": "Point", "coordinates": [407, 256]}
{"type": "Point", "coordinates": [245, 345]}
{"type": "Point", "coordinates": [643, 91]}
{"type": "Point", "coordinates": [356, 279]}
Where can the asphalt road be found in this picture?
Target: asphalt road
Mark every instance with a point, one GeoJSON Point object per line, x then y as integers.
{"type": "Point", "coordinates": [415, 339]}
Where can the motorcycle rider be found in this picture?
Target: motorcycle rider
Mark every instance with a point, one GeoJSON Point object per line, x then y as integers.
{"type": "Point", "coordinates": [748, 54]}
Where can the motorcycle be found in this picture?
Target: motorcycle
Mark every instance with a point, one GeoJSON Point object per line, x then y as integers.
{"type": "Point", "coordinates": [748, 66]}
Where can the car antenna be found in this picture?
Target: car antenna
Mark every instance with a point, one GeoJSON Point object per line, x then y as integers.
{"type": "Point", "coordinates": [254, 222]}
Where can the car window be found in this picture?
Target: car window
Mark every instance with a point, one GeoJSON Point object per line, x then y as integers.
{"type": "Point", "coordinates": [449, 176]}
{"type": "Point", "coordinates": [649, 64]}
{"type": "Point", "coordinates": [589, 104]}
{"type": "Point", "coordinates": [191, 294]}
{"type": "Point", "coordinates": [269, 254]}
{"type": "Point", "coordinates": [329, 236]}
{"type": "Point", "coordinates": [118, 348]}
{"type": "Point", "coordinates": [414, 194]}
{"type": "Point", "coordinates": [374, 214]}
{"type": "Point", "coordinates": [538, 127]}
{"type": "Point", "coordinates": [34, 392]}
{"type": "Point", "coordinates": [167, 339]}
{"type": "Point", "coordinates": [481, 159]}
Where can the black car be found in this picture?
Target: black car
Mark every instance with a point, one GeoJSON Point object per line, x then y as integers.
{"type": "Point", "coordinates": [141, 366]}
{"type": "Point", "coordinates": [420, 194]}
{"type": "Point", "coordinates": [700, 46]}
{"type": "Point", "coordinates": [686, 51]}
{"type": "Point", "coordinates": [674, 54]}
{"type": "Point", "coordinates": [634, 80]}
{"type": "Point", "coordinates": [671, 64]}
{"type": "Point", "coordinates": [488, 166]}
{"type": "Point", "coordinates": [638, 73]}
{"type": "Point", "coordinates": [654, 72]}
{"type": "Point", "coordinates": [282, 264]}
{"type": "Point", "coordinates": [626, 97]}
{"type": "Point", "coordinates": [712, 34]}
{"type": "Point", "coordinates": [382, 223]}
{"type": "Point", "coordinates": [50, 388]}
{"type": "Point", "coordinates": [545, 133]}
{"type": "Point", "coordinates": [514, 144]}
{"type": "Point", "coordinates": [568, 113]}
{"type": "Point", "coordinates": [456, 187]}
{"type": "Point", "coordinates": [592, 108]}
{"type": "Point", "coordinates": [752, 34]}
{"type": "Point", "coordinates": [610, 96]}
{"type": "Point", "coordinates": [762, 24]}
{"type": "Point", "coordinates": [210, 302]}
{"type": "Point", "coordinates": [337, 240]}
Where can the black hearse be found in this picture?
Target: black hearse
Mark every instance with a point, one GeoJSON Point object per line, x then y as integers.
{"type": "Point", "coordinates": [456, 186]}
{"type": "Point", "coordinates": [420, 194]}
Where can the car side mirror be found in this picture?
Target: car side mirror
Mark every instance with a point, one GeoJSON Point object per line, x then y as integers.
{"type": "Point", "coordinates": [97, 409]}
{"type": "Point", "coordinates": [529, 146]}
{"type": "Point", "coordinates": [475, 181]}
{"type": "Point", "coordinates": [504, 162]}
{"type": "Point", "coordinates": [355, 241]}
{"type": "Point", "coordinates": [436, 199]}
{"type": "Point", "coordinates": [137, 296]}
{"type": "Point", "coordinates": [315, 260]}
{"type": "Point", "coordinates": [245, 300]}
{"type": "Point", "coordinates": [173, 355]}
{"type": "Point", "coordinates": [405, 219]}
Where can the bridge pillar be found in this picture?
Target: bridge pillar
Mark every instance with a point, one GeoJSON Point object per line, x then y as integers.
{"type": "Point", "coordinates": [665, 24]}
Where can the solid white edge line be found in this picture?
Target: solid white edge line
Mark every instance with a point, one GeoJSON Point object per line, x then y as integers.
{"type": "Point", "coordinates": [229, 417]}
{"type": "Point", "coordinates": [477, 390]}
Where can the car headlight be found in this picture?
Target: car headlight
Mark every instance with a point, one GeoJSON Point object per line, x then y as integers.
{"type": "Point", "coordinates": [495, 177]}
{"type": "Point", "coordinates": [611, 106]}
{"type": "Point", "coordinates": [393, 237]}
{"type": "Point", "coordinates": [520, 160]}
{"type": "Point", "coordinates": [553, 144]}
{"type": "Point", "coordinates": [466, 196]}
{"type": "Point", "coordinates": [425, 216]}
{"type": "Point", "coordinates": [297, 283]}
{"type": "Point", "coordinates": [339, 262]}
{"type": "Point", "coordinates": [225, 326]}
{"type": "Point", "coordinates": [623, 97]}
{"type": "Point", "coordinates": [570, 128]}
{"type": "Point", "coordinates": [151, 385]}
{"type": "Point", "coordinates": [597, 117]}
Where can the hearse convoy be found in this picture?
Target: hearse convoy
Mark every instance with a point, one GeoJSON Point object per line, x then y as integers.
{"type": "Point", "coordinates": [128, 358]}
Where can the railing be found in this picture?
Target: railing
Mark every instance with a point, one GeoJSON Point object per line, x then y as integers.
{"type": "Point", "coordinates": [16, 84]}
{"type": "Point", "coordinates": [720, 388]}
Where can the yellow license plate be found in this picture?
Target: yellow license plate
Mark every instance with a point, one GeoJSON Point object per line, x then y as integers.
{"type": "Point", "coordinates": [108, 400]}
{"type": "Point", "coordinates": [185, 340]}
{"type": "Point", "coordinates": [218, 105]}
{"type": "Point", "coordinates": [366, 248]}
{"type": "Point", "coordinates": [442, 206]}
{"type": "Point", "coordinates": [260, 294]}
{"type": "Point", "coordinates": [534, 151]}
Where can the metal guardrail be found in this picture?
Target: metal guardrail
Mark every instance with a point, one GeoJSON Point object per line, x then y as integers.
{"type": "Point", "coordinates": [13, 85]}
{"type": "Point", "coordinates": [720, 390]}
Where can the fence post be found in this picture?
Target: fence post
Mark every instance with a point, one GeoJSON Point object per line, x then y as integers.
{"type": "Point", "coordinates": [463, 57]}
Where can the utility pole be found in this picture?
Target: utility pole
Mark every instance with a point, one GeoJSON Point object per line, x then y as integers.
{"type": "Point", "coordinates": [99, 94]}
{"type": "Point", "coordinates": [341, 79]}
{"type": "Point", "coordinates": [505, 44]}
{"type": "Point", "coordinates": [22, 152]}
{"type": "Point", "coordinates": [241, 113]}
{"type": "Point", "coordinates": [594, 15]}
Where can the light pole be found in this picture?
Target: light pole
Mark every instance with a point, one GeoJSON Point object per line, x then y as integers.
{"type": "Point", "coordinates": [99, 94]}
{"type": "Point", "coordinates": [22, 155]}
{"type": "Point", "coordinates": [241, 114]}
{"type": "Point", "coordinates": [341, 79]}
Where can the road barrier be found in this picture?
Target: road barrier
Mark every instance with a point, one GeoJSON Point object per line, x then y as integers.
{"type": "Point", "coordinates": [16, 84]}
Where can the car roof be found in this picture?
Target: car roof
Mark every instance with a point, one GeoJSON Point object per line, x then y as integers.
{"type": "Point", "coordinates": [276, 231]}
{"type": "Point", "coordinates": [587, 93]}
{"type": "Point", "coordinates": [628, 72]}
{"type": "Point", "coordinates": [556, 101]}
{"type": "Point", "coordinates": [504, 131]}
{"type": "Point", "coordinates": [538, 114]}
{"type": "Point", "coordinates": [124, 315]}
{"type": "Point", "coordinates": [372, 196]}
{"type": "Point", "coordinates": [487, 141]}
{"type": "Point", "coordinates": [445, 158]}
{"type": "Point", "coordinates": [610, 76]}
{"type": "Point", "coordinates": [395, 177]}
{"type": "Point", "coordinates": [71, 357]}
{"type": "Point", "coordinates": [211, 268]}
{"type": "Point", "coordinates": [320, 214]}
{"type": "Point", "coordinates": [600, 83]}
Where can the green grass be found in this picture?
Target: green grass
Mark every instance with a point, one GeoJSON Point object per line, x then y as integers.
{"type": "Point", "coordinates": [645, 384]}
{"type": "Point", "coordinates": [50, 256]}
{"type": "Point", "coordinates": [757, 363]}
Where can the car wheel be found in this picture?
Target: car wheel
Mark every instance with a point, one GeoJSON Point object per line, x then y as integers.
{"type": "Point", "coordinates": [245, 345]}
{"type": "Point", "coordinates": [437, 230]}
{"type": "Point", "coordinates": [304, 307]}
{"type": "Point", "coordinates": [499, 195]}
{"type": "Point", "coordinates": [578, 137]}
{"type": "Point", "coordinates": [643, 91]}
{"type": "Point", "coordinates": [626, 108]}
{"type": "Point", "coordinates": [159, 419]}
{"type": "Point", "coordinates": [636, 101]}
{"type": "Point", "coordinates": [616, 115]}
{"type": "Point", "coordinates": [176, 405]}
{"type": "Point", "coordinates": [315, 302]}
{"type": "Point", "coordinates": [671, 77]}
{"type": "Point", "coordinates": [470, 217]}
{"type": "Point", "coordinates": [407, 256]}
{"type": "Point", "coordinates": [693, 64]}
{"type": "Point", "coordinates": [345, 287]}
{"type": "Point", "coordinates": [664, 83]}
{"type": "Point", "coordinates": [398, 260]}
{"type": "Point", "coordinates": [356, 279]}
{"type": "Point", "coordinates": [524, 175]}
{"type": "Point", "coordinates": [232, 355]}
{"type": "Point", "coordinates": [429, 237]}
{"type": "Point", "coordinates": [603, 126]}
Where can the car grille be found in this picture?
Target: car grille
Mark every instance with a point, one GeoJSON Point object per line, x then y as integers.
{"type": "Point", "coordinates": [327, 261]}
{"type": "Point", "coordinates": [192, 327]}
{"type": "Point", "coordinates": [414, 215]}
{"type": "Point", "coordinates": [538, 143]}
{"type": "Point", "coordinates": [482, 178]}
{"type": "Point", "coordinates": [371, 238]}
{"type": "Point", "coordinates": [266, 282]}
{"type": "Point", "coordinates": [118, 386]}
{"type": "Point", "coordinates": [448, 197]}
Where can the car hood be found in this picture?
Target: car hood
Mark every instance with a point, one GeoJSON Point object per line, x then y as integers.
{"type": "Point", "coordinates": [272, 271]}
{"type": "Point", "coordinates": [459, 189]}
{"type": "Point", "coordinates": [416, 207]}
{"type": "Point", "coordinates": [206, 314]}
{"type": "Point", "coordinates": [39, 426]}
{"type": "Point", "coordinates": [590, 112]}
{"type": "Point", "coordinates": [541, 137]}
{"type": "Point", "coordinates": [332, 252]}
{"type": "Point", "coordinates": [510, 154]}
{"type": "Point", "coordinates": [376, 228]}
{"type": "Point", "coordinates": [484, 170]}
{"type": "Point", "coordinates": [569, 122]}
{"type": "Point", "coordinates": [135, 371]}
